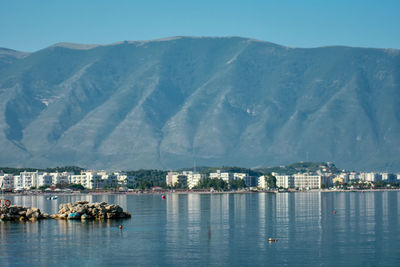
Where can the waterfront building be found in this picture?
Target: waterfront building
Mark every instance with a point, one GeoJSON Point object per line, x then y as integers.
{"type": "Point", "coordinates": [388, 177]}
{"type": "Point", "coordinates": [193, 178]}
{"type": "Point", "coordinates": [226, 176]}
{"type": "Point", "coordinates": [79, 179]}
{"type": "Point", "coordinates": [308, 181]}
{"type": "Point", "coordinates": [250, 181]}
{"type": "Point", "coordinates": [188, 179]}
{"type": "Point", "coordinates": [7, 181]}
{"type": "Point", "coordinates": [261, 182]}
{"type": "Point", "coordinates": [370, 177]}
{"type": "Point", "coordinates": [44, 179]}
{"type": "Point", "coordinates": [171, 178]}
{"type": "Point", "coordinates": [125, 180]}
{"type": "Point", "coordinates": [29, 179]}
{"type": "Point", "coordinates": [285, 181]}
{"type": "Point", "coordinates": [60, 178]}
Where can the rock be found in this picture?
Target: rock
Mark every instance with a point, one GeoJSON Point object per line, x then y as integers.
{"type": "Point", "coordinates": [74, 216]}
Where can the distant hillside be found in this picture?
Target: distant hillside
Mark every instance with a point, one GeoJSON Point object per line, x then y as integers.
{"type": "Point", "coordinates": [168, 103]}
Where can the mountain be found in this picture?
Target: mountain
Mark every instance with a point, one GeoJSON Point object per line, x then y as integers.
{"type": "Point", "coordinates": [175, 102]}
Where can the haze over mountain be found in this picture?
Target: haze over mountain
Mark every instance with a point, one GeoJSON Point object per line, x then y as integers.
{"type": "Point", "coordinates": [215, 101]}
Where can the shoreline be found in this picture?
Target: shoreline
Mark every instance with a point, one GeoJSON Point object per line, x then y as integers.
{"type": "Point", "coordinates": [161, 192]}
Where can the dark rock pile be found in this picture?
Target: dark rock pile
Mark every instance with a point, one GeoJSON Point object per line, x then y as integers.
{"type": "Point", "coordinates": [19, 213]}
{"type": "Point", "coordinates": [82, 210]}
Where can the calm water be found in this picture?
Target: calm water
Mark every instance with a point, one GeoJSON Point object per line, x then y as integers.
{"type": "Point", "coordinates": [218, 229]}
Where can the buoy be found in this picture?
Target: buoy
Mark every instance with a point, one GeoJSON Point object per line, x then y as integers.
{"type": "Point", "coordinates": [272, 240]}
{"type": "Point", "coordinates": [163, 197]}
{"type": "Point", "coordinates": [334, 212]}
{"type": "Point", "coordinates": [120, 227]}
{"type": "Point", "coordinates": [7, 203]}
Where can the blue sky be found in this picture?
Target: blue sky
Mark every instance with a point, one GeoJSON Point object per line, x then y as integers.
{"type": "Point", "coordinates": [32, 25]}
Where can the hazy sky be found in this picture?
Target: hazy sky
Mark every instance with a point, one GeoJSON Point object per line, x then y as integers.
{"type": "Point", "coordinates": [31, 25]}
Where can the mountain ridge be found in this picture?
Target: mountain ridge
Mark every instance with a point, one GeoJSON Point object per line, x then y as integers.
{"type": "Point", "coordinates": [224, 101]}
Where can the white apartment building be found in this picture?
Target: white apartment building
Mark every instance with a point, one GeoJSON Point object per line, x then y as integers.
{"type": "Point", "coordinates": [226, 176]}
{"type": "Point", "coordinates": [388, 177]}
{"type": "Point", "coordinates": [261, 182]}
{"type": "Point", "coordinates": [171, 178]}
{"type": "Point", "coordinates": [6, 181]}
{"type": "Point", "coordinates": [44, 179]}
{"type": "Point", "coordinates": [186, 178]}
{"type": "Point", "coordinates": [124, 180]}
{"type": "Point", "coordinates": [193, 179]}
{"type": "Point", "coordinates": [370, 177]}
{"type": "Point", "coordinates": [285, 181]}
{"type": "Point", "coordinates": [61, 177]}
{"type": "Point", "coordinates": [29, 179]}
{"type": "Point", "coordinates": [309, 181]}
{"type": "Point", "coordinates": [79, 179]}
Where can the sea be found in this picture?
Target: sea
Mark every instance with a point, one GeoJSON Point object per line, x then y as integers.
{"type": "Point", "coordinates": [232, 229]}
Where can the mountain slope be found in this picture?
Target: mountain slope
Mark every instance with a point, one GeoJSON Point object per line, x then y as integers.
{"type": "Point", "coordinates": [169, 103]}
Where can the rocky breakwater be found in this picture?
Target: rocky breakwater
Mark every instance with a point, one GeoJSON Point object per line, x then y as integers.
{"type": "Point", "coordinates": [19, 213]}
{"type": "Point", "coordinates": [83, 210]}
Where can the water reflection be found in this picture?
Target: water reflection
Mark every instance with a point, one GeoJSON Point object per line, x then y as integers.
{"type": "Point", "coordinates": [214, 229]}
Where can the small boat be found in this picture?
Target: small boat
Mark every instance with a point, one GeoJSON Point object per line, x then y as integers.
{"type": "Point", "coordinates": [52, 197]}
{"type": "Point", "coordinates": [272, 240]}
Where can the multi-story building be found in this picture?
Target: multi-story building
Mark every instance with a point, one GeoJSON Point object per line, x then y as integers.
{"type": "Point", "coordinates": [125, 180]}
{"type": "Point", "coordinates": [388, 177]}
{"type": "Point", "coordinates": [172, 178]}
{"type": "Point", "coordinates": [285, 181]}
{"type": "Point", "coordinates": [250, 181]}
{"type": "Point", "coordinates": [308, 181]}
{"type": "Point", "coordinates": [188, 179]}
{"type": "Point", "coordinates": [193, 178]}
{"type": "Point", "coordinates": [370, 177]}
{"type": "Point", "coordinates": [30, 179]}
{"type": "Point", "coordinates": [44, 179]}
{"type": "Point", "coordinates": [226, 176]}
{"type": "Point", "coordinates": [6, 181]}
{"type": "Point", "coordinates": [261, 182]}
{"type": "Point", "coordinates": [61, 178]}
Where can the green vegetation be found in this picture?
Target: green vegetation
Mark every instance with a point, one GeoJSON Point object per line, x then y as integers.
{"type": "Point", "coordinates": [237, 184]}
{"type": "Point", "coordinates": [270, 180]}
{"type": "Point", "coordinates": [75, 187]}
{"type": "Point", "coordinates": [145, 179]}
{"type": "Point", "coordinates": [311, 167]}
{"type": "Point", "coordinates": [217, 184]}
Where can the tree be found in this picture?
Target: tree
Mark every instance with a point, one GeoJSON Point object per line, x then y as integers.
{"type": "Point", "coordinates": [270, 180]}
{"type": "Point", "coordinates": [237, 184]}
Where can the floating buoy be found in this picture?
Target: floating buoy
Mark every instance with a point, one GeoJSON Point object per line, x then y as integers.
{"type": "Point", "coordinates": [334, 212]}
{"type": "Point", "coordinates": [120, 227]}
{"type": "Point", "coordinates": [272, 240]}
{"type": "Point", "coordinates": [163, 197]}
{"type": "Point", "coordinates": [7, 203]}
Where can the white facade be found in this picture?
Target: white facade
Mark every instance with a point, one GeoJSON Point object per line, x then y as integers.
{"type": "Point", "coordinates": [193, 179]}
{"type": "Point", "coordinates": [186, 178]}
{"type": "Point", "coordinates": [261, 182]}
{"type": "Point", "coordinates": [44, 179]}
{"type": "Point", "coordinates": [124, 180]}
{"type": "Point", "coordinates": [172, 178]}
{"type": "Point", "coordinates": [226, 176]}
{"type": "Point", "coordinates": [370, 177]}
{"type": "Point", "coordinates": [285, 181]}
{"type": "Point", "coordinates": [309, 181]}
{"type": "Point", "coordinates": [6, 181]}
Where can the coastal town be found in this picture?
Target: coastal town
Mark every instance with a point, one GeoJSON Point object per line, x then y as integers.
{"type": "Point", "coordinates": [321, 178]}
